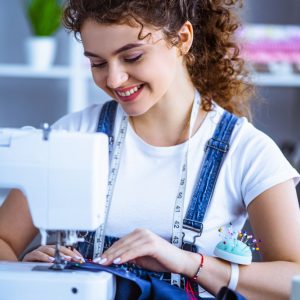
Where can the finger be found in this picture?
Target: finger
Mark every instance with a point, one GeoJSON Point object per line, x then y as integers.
{"type": "Point", "coordinates": [38, 256]}
{"type": "Point", "coordinates": [137, 238]}
{"type": "Point", "coordinates": [113, 252]}
{"type": "Point", "coordinates": [131, 238]}
{"type": "Point", "coordinates": [47, 249]}
{"type": "Point", "coordinates": [77, 252]}
{"type": "Point", "coordinates": [79, 255]}
{"type": "Point", "coordinates": [125, 252]}
{"type": "Point", "coordinates": [137, 234]}
{"type": "Point", "coordinates": [134, 251]}
{"type": "Point", "coordinates": [65, 253]}
{"type": "Point", "coordinates": [69, 254]}
{"type": "Point", "coordinates": [50, 251]}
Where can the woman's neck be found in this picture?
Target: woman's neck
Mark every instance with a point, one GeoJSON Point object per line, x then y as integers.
{"type": "Point", "coordinates": [167, 123]}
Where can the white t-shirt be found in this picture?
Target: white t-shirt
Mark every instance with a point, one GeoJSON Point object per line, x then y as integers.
{"type": "Point", "coordinates": [148, 178]}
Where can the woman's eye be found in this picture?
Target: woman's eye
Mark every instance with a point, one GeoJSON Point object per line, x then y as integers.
{"type": "Point", "coordinates": [134, 58]}
{"type": "Point", "coordinates": [128, 59]}
{"type": "Point", "coordinates": [98, 65]}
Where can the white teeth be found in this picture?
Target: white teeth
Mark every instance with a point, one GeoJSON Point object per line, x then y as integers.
{"type": "Point", "coordinates": [130, 92]}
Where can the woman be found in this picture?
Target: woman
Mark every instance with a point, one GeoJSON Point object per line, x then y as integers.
{"type": "Point", "coordinates": [173, 68]}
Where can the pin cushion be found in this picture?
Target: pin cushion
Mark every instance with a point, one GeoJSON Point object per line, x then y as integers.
{"type": "Point", "coordinates": [234, 251]}
{"type": "Point", "coordinates": [236, 247]}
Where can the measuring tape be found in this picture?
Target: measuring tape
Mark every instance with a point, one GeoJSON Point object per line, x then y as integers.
{"type": "Point", "coordinates": [179, 203]}
{"type": "Point", "coordinates": [115, 162]}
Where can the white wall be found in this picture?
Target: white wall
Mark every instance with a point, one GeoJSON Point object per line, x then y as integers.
{"type": "Point", "coordinates": [33, 101]}
{"type": "Point", "coordinates": [26, 101]}
{"type": "Point", "coordinates": [30, 101]}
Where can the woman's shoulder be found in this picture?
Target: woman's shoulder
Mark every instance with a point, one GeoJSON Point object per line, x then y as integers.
{"type": "Point", "coordinates": [85, 120]}
{"type": "Point", "coordinates": [256, 159]}
{"type": "Point", "coordinates": [251, 146]}
{"type": "Point", "coordinates": [245, 133]}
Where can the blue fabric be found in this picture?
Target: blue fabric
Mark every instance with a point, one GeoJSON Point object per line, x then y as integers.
{"type": "Point", "coordinates": [132, 287]}
{"type": "Point", "coordinates": [133, 269]}
{"type": "Point", "coordinates": [107, 121]}
{"type": "Point", "coordinates": [86, 248]}
{"type": "Point", "coordinates": [216, 149]}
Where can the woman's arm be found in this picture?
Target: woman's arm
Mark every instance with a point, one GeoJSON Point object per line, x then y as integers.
{"type": "Point", "coordinates": [275, 219]}
{"type": "Point", "coordinates": [17, 231]}
{"type": "Point", "coordinates": [16, 227]}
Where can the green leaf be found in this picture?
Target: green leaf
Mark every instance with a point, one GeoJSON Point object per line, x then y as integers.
{"type": "Point", "coordinates": [44, 16]}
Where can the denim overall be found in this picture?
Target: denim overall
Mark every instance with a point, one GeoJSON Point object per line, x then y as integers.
{"type": "Point", "coordinates": [215, 151]}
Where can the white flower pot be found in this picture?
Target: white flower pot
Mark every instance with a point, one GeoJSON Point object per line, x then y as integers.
{"type": "Point", "coordinates": [40, 52]}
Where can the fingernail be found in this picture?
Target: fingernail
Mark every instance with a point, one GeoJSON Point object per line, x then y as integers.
{"type": "Point", "coordinates": [103, 261]}
{"type": "Point", "coordinates": [97, 259]}
{"type": "Point", "coordinates": [51, 259]}
{"type": "Point", "coordinates": [100, 260]}
{"type": "Point", "coordinates": [79, 258]}
{"type": "Point", "coordinates": [117, 260]}
{"type": "Point", "coordinates": [67, 257]}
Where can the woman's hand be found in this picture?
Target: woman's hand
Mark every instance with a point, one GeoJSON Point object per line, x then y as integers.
{"type": "Point", "coordinates": [46, 254]}
{"type": "Point", "coordinates": [149, 251]}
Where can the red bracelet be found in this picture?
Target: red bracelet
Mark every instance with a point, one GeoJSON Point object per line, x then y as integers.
{"type": "Point", "coordinates": [200, 267]}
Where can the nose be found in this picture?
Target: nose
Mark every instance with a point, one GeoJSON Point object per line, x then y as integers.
{"type": "Point", "coordinates": [116, 77]}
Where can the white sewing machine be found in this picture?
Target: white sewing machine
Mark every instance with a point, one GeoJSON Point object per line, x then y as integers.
{"type": "Point", "coordinates": [64, 177]}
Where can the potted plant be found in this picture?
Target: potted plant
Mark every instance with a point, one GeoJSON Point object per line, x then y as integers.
{"type": "Point", "coordinates": [44, 17]}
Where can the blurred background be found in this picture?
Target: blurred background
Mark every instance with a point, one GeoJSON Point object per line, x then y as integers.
{"type": "Point", "coordinates": [31, 94]}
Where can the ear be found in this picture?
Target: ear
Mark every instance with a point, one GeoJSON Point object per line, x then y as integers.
{"type": "Point", "coordinates": [186, 36]}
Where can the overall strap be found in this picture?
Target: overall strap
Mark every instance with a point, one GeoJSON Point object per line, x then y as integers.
{"type": "Point", "coordinates": [107, 121]}
{"type": "Point", "coordinates": [105, 125]}
{"type": "Point", "coordinates": [215, 151]}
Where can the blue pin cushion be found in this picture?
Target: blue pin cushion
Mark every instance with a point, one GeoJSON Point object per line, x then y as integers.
{"type": "Point", "coordinates": [235, 251]}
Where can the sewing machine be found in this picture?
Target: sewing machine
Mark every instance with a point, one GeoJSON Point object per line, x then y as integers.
{"type": "Point", "coordinates": [64, 177]}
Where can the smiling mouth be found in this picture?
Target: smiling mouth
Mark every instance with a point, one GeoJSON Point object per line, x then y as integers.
{"type": "Point", "coordinates": [129, 92]}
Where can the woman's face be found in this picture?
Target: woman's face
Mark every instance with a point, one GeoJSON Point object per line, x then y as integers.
{"type": "Point", "coordinates": [137, 73]}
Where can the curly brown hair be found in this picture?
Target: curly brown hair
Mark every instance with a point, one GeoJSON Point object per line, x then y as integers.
{"type": "Point", "coordinates": [213, 62]}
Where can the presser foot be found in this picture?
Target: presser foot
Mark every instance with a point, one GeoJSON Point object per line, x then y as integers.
{"type": "Point", "coordinates": [59, 263]}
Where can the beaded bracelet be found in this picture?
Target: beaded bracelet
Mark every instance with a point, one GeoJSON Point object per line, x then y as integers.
{"type": "Point", "coordinates": [200, 267]}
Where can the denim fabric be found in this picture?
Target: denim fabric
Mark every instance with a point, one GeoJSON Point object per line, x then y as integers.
{"type": "Point", "coordinates": [107, 120]}
{"type": "Point", "coordinates": [215, 151]}
{"type": "Point", "coordinates": [136, 270]}
{"type": "Point", "coordinates": [86, 248]}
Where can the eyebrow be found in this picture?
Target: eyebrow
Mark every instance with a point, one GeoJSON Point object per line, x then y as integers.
{"type": "Point", "coordinates": [118, 51]}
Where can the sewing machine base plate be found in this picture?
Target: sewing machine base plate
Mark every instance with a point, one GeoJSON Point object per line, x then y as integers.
{"type": "Point", "coordinates": [20, 281]}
